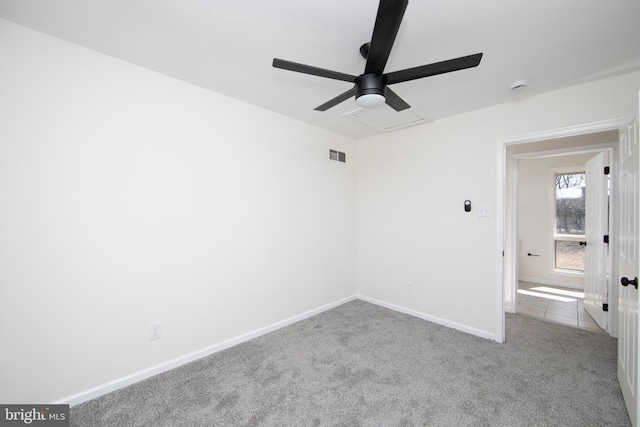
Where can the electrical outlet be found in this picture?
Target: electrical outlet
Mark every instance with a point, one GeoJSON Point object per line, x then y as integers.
{"type": "Point", "coordinates": [409, 287]}
{"type": "Point", "coordinates": [155, 331]}
{"type": "Point", "coordinates": [483, 211]}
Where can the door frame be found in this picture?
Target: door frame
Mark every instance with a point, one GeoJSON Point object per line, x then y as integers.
{"type": "Point", "coordinates": [506, 236]}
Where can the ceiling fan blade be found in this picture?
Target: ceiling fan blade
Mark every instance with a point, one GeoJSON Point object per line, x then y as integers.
{"type": "Point", "coordinates": [337, 100]}
{"type": "Point", "coordinates": [434, 69]}
{"type": "Point", "coordinates": [390, 13]}
{"type": "Point", "coordinates": [394, 101]}
{"type": "Point", "coordinates": [314, 71]}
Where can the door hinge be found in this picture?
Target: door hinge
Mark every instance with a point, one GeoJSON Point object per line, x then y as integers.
{"type": "Point", "coordinates": [605, 307]}
{"type": "Point", "coordinates": [606, 170]}
{"type": "Point", "coordinates": [606, 238]}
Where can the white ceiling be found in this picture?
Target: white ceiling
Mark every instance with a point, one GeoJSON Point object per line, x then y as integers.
{"type": "Point", "coordinates": [228, 47]}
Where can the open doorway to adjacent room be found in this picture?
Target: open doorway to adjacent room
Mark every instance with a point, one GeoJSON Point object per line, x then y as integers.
{"type": "Point", "coordinates": [552, 247]}
{"type": "Point", "coordinates": [543, 265]}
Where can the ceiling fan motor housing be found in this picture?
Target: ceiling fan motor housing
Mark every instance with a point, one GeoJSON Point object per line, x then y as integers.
{"type": "Point", "coordinates": [370, 84]}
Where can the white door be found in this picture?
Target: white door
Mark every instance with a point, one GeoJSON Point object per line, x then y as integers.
{"type": "Point", "coordinates": [596, 220]}
{"type": "Point", "coordinates": [628, 265]}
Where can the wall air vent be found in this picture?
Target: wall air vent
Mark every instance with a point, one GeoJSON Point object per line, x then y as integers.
{"type": "Point", "coordinates": [338, 156]}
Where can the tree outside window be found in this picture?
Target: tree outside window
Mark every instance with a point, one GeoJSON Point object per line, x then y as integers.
{"type": "Point", "coordinates": [569, 230]}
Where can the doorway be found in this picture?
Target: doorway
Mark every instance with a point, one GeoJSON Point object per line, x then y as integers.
{"type": "Point", "coordinates": [555, 221]}
{"type": "Point", "coordinates": [573, 140]}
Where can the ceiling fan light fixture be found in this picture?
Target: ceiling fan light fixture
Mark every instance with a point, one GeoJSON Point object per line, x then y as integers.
{"type": "Point", "coordinates": [370, 100]}
{"type": "Point", "coordinates": [370, 90]}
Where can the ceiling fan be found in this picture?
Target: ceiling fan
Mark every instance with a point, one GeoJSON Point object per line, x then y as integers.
{"type": "Point", "coordinates": [371, 88]}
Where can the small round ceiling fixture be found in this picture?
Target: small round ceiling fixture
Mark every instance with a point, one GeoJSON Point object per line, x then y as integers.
{"type": "Point", "coordinates": [519, 85]}
{"type": "Point", "coordinates": [370, 100]}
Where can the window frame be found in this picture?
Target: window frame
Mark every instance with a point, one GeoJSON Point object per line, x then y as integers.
{"type": "Point", "coordinates": [554, 237]}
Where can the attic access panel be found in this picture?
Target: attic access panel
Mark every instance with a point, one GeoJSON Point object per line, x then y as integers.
{"type": "Point", "coordinates": [388, 120]}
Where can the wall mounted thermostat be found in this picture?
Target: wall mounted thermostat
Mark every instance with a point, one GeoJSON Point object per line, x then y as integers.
{"type": "Point", "coordinates": [467, 205]}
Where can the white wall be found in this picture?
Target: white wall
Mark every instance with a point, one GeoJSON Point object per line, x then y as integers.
{"type": "Point", "coordinates": [411, 188]}
{"type": "Point", "coordinates": [535, 223]}
{"type": "Point", "coordinates": [128, 197]}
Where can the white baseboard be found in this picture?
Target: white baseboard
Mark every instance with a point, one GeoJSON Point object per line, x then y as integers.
{"type": "Point", "coordinates": [473, 331]}
{"type": "Point", "coordinates": [551, 283]}
{"type": "Point", "coordinates": [127, 380]}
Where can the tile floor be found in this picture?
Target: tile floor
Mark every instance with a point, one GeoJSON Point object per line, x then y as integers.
{"type": "Point", "coordinates": [553, 303]}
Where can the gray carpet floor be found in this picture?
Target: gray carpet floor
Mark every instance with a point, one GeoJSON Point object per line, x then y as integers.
{"type": "Point", "coordinates": [363, 365]}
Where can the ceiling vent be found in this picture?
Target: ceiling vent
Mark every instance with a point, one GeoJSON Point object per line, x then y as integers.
{"type": "Point", "coordinates": [388, 120]}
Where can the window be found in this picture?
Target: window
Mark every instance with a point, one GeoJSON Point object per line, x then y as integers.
{"type": "Point", "coordinates": [568, 232]}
